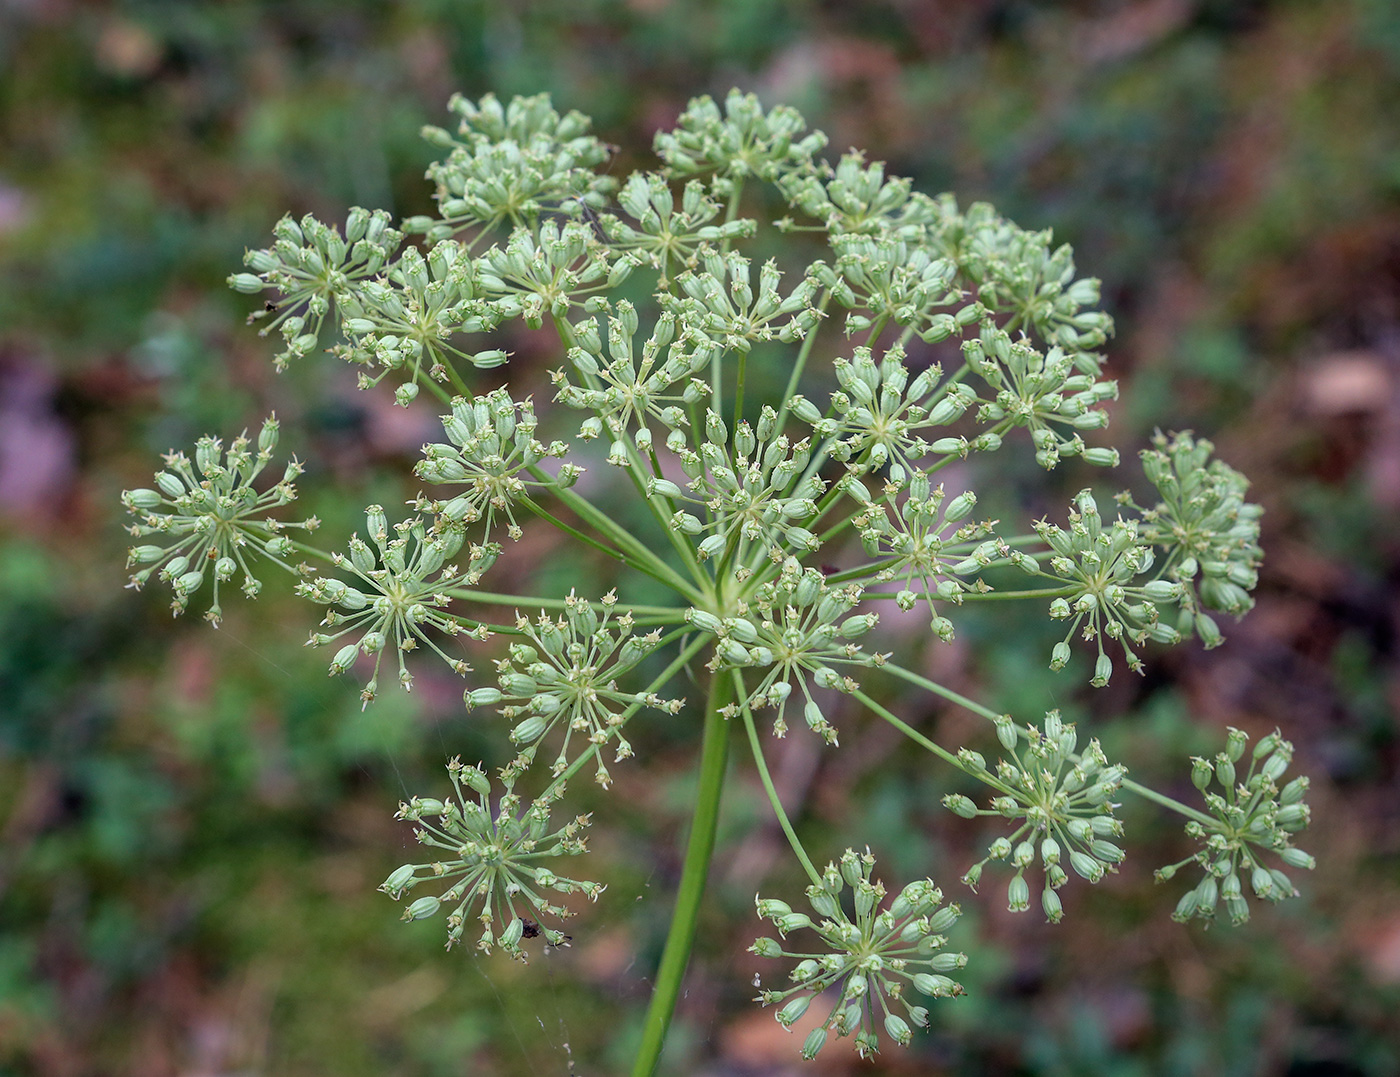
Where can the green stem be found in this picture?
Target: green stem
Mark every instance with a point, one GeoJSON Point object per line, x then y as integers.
{"type": "Point", "coordinates": [938, 689]}
{"type": "Point", "coordinates": [977, 708]}
{"type": "Point", "coordinates": [544, 514]}
{"type": "Point", "coordinates": [639, 477]}
{"type": "Point", "coordinates": [642, 558]}
{"type": "Point", "coordinates": [1007, 596]}
{"type": "Point", "coordinates": [909, 731]}
{"type": "Point", "coordinates": [768, 787]}
{"type": "Point", "coordinates": [739, 388]}
{"type": "Point", "coordinates": [1167, 802]}
{"type": "Point", "coordinates": [458, 383]}
{"type": "Point", "coordinates": [444, 397]}
{"type": "Point", "coordinates": [981, 596]}
{"type": "Point", "coordinates": [714, 753]}
{"type": "Point", "coordinates": [672, 614]}
{"type": "Point", "coordinates": [801, 363]}
{"type": "Point", "coordinates": [986, 777]}
{"type": "Point", "coordinates": [302, 547]}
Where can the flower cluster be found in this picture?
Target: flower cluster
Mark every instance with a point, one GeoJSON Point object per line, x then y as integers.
{"type": "Point", "coordinates": [1208, 530]}
{"type": "Point", "coordinates": [799, 628]}
{"type": "Point", "coordinates": [510, 163]}
{"type": "Point", "coordinates": [871, 955]}
{"type": "Point", "coordinates": [492, 442]}
{"type": "Point", "coordinates": [545, 270]}
{"type": "Point", "coordinates": [878, 416]}
{"type": "Point", "coordinates": [492, 862]}
{"type": "Point", "coordinates": [666, 236]}
{"type": "Point", "coordinates": [313, 267]}
{"type": "Point", "coordinates": [566, 676]}
{"type": "Point", "coordinates": [918, 543]}
{"type": "Point", "coordinates": [858, 198]}
{"type": "Point", "coordinates": [1108, 595]}
{"type": "Point", "coordinates": [212, 520]}
{"type": "Point", "coordinates": [623, 391]}
{"type": "Point", "coordinates": [1015, 273]}
{"type": "Point", "coordinates": [756, 489]}
{"type": "Point", "coordinates": [1041, 391]}
{"type": "Point", "coordinates": [1252, 815]}
{"type": "Point", "coordinates": [885, 280]}
{"type": "Point", "coordinates": [403, 584]}
{"type": "Point", "coordinates": [405, 323]}
{"type": "Point", "coordinates": [1063, 801]}
{"type": "Point", "coordinates": [743, 141]}
{"type": "Point", "coordinates": [718, 299]}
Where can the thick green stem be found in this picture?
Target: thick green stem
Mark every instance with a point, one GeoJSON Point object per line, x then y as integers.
{"type": "Point", "coordinates": [714, 753]}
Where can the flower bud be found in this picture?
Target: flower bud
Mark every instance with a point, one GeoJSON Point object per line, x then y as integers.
{"type": "Point", "coordinates": [742, 630]}
{"type": "Point", "coordinates": [960, 506]}
{"type": "Point", "coordinates": [794, 1009]}
{"type": "Point", "coordinates": [1207, 894]}
{"type": "Point", "coordinates": [824, 902]}
{"type": "Point", "coordinates": [960, 805]}
{"type": "Point", "coordinates": [1085, 865]}
{"type": "Point", "coordinates": [1208, 631]}
{"type": "Point", "coordinates": [1018, 898]}
{"type": "Point", "coordinates": [898, 1030]}
{"type": "Point", "coordinates": [1294, 817]}
{"type": "Point", "coordinates": [712, 546]}
{"type": "Point", "coordinates": [766, 947]}
{"type": "Point", "coordinates": [531, 729]}
{"type": "Point", "coordinates": [1107, 851]}
{"type": "Point", "coordinates": [344, 658]}
{"type": "Point", "coordinates": [815, 1041]}
{"type": "Point", "coordinates": [944, 918]}
{"type": "Point", "coordinates": [1277, 763]}
{"type": "Point", "coordinates": [850, 868]}
{"type": "Point", "coordinates": [421, 909]}
{"type": "Point", "coordinates": [1186, 907]}
{"type": "Point", "coordinates": [475, 779]}
{"type": "Point", "coordinates": [936, 986]}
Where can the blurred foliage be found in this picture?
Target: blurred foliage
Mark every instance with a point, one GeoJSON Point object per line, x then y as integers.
{"type": "Point", "coordinates": [193, 821]}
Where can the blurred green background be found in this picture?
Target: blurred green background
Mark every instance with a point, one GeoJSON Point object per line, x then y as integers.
{"type": "Point", "coordinates": [193, 821]}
